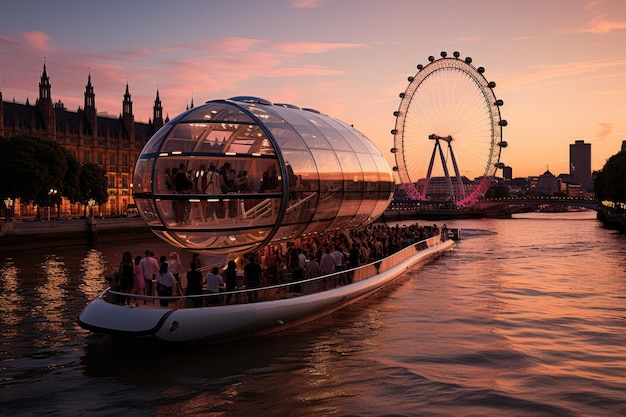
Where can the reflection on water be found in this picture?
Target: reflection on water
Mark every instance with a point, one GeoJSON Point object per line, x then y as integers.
{"type": "Point", "coordinates": [10, 298]}
{"type": "Point", "coordinates": [525, 317]}
{"type": "Point", "coordinates": [94, 268]}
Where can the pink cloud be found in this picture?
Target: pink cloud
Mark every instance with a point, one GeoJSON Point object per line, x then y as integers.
{"type": "Point", "coordinates": [8, 41]}
{"type": "Point", "coordinates": [234, 45]}
{"type": "Point", "coordinates": [468, 38]}
{"type": "Point", "coordinates": [306, 4]}
{"type": "Point", "coordinates": [37, 40]}
{"type": "Point", "coordinates": [522, 38]}
{"type": "Point", "coordinates": [314, 47]}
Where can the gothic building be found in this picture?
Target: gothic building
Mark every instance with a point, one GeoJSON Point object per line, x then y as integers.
{"type": "Point", "coordinates": [112, 143]}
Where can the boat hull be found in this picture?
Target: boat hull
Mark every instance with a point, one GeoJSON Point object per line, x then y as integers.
{"type": "Point", "coordinates": [221, 323]}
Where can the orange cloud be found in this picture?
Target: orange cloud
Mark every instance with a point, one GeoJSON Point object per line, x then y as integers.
{"type": "Point", "coordinates": [599, 25]}
{"type": "Point", "coordinates": [37, 40]}
{"type": "Point", "coordinates": [522, 38]}
{"type": "Point", "coordinates": [565, 72]}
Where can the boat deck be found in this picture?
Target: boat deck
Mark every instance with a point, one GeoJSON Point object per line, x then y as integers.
{"type": "Point", "coordinates": [271, 292]}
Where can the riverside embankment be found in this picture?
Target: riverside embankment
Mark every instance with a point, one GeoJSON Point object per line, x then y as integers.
{"type": "Point", "coordinates": [19, 235]}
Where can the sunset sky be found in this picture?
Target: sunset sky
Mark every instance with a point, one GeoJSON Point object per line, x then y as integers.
{"type": "Point", "coordinates": [559, 65]}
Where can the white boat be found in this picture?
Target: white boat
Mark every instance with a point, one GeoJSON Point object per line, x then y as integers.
{"type": "Point", "coordinates": [277, 307]}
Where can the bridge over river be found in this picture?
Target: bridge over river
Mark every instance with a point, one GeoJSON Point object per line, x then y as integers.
{"type": "Point", "coordinates": [501, 207]}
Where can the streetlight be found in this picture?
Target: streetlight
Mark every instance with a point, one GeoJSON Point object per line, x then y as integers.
{"type": "Point", "coordinates": [90, 203]}
{"type": "Point", "coordinates": [51, 192]}
{"type": "Point", "coordinates": [8, 202]}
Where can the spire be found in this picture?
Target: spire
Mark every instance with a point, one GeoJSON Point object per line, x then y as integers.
{"type": "Point", "coordinates": [90, 109]}
{"type": "Point", "coordinates": [90, 97]}
{"type": "Point", "coordinates": [44, 103]}
{"type": "Point", "coordinates": [44, 85]}
{"type": "Point", "coordinates": [157, 112]}
{"type": "Point", "coordinates": [127, 104]}
{"type": "Point", "coordinates": [127, 115]}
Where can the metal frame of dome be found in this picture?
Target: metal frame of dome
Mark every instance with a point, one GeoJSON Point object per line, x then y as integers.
{"type": "Point", "coordinates": [330, 177]}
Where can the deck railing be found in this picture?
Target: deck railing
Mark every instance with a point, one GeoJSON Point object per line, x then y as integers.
{"type": "Point", "coordinates": [277, 291]}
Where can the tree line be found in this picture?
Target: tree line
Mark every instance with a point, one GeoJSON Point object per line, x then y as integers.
{"type": "Point", "coordinates": [610, 182]}
{"type": "Point", "coordinates": [30, 167]}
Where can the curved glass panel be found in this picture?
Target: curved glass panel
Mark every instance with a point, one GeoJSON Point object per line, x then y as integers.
{"type": "Point", "coordinates": [154, 144]}
{"type": "Point", "coordinates": [287, 137]}
{"type": "Point", "coordinates": [216, 112]}
{"type": "Point", "coordinates": [334, 136]}
{"type": "Point", "coordinates": [230, 177]}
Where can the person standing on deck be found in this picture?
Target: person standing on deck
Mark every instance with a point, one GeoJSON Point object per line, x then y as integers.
{"type": "Point", "coordinates": [252, 275]}
{"type": "Point", "coordinates": [231, 279]}
{"type": "Point", "coordinates": [165, 282]}
{"type": "Point", "coordinates": [214, 283]}
{"type": "Point", "coordinates": [150, 268]}
{"type": "Point", "coordinates": [327, 262]}
{"type": "Point", "coordinates": [140, 284]}
{"type": "Point", "coordinates": [175, 264]}
{"type": "Point", "coordinates": [194, 285]}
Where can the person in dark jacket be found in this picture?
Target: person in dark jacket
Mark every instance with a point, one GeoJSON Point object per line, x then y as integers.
{"type": "Point", "coordinates": [194, 285]}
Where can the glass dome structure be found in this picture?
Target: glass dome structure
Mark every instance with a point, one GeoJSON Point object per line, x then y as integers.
{"type": "Point", "coordinates": [231, 176]}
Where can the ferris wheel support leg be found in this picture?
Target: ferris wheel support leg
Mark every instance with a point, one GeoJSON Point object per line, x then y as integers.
{"type": "Point", "coordinates": [459, 180]}
{"type": "Point", "coordinates": [430, 168]}
{"type": "Point", "coordinates": [445, 170]}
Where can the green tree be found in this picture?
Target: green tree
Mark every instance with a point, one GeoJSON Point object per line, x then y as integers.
{"type": "Point", "coordinates": [30, 167]}
{"type": "Point", "coordinates": [93, 184]}
{"type": "Point", "coordinates": [610, 182]}
{"type": "Point", "coordinates": [71, 182]}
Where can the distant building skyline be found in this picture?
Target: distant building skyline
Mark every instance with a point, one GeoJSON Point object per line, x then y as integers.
{"type": "Point", "coordinates": [580, 164]}
{"type": "Point", "coordinates": [83, 132]}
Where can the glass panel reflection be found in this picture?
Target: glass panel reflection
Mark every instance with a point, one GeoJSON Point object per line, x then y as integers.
{"type": "Point", "coordinates": [227, 172]}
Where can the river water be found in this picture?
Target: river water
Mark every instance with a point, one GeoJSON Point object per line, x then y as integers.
{"type": "Point", "coordinates": [526, 317]}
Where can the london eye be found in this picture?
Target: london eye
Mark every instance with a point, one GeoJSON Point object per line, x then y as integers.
{"type": "Point", "coordinates": [448, 133]}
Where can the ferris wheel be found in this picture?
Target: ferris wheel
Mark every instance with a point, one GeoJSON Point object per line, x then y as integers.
{"type": "Point", "coordinates": [448, 132]}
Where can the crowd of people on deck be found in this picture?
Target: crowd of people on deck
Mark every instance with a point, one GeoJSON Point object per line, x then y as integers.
{"type": "Point", "coordinates": [274, 264]}
{"type": "Point", "coordinates": [211, 180]}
